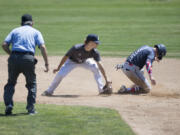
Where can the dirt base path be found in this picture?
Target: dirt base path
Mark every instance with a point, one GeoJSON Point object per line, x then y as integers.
{"type": "Point", "coordinates": [157, 113]}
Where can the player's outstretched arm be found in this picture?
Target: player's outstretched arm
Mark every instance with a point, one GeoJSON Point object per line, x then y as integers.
{"type": "Point", "coordinates": [63, 60]}
{"type": "Point", "coordinates": [102, 71]}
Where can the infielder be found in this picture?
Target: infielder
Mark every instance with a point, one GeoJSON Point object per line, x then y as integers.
{"type": "Point", "coordinates": [79, 56]}
{"type": "Point", "coordinates": [21, 60]}
{"type": "Point", "coordinates": [133, 68]}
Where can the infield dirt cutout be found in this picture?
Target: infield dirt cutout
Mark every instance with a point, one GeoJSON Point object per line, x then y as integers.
{"type": "Point", "coordinates": [157, 113]}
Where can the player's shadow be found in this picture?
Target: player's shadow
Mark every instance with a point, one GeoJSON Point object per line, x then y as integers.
{"type": "Point", "coordinates": [13, 115]}
{"type": "Point", "coordinates": [137, 94]}
{"type": "Point", "coordinates": [66, 96]}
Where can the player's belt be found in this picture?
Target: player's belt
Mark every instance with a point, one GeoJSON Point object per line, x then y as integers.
{"type": "Point", "coordinates": [22, 53]}
{"type": "Point", "coordinates": [129, 63]}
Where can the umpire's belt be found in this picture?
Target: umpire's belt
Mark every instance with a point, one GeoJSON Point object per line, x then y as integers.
{"type": "Point", "coordinates": [22, 53]}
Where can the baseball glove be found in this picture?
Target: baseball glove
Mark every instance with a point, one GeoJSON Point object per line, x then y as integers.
{"type": "Point", "coordinates": [107, 89]}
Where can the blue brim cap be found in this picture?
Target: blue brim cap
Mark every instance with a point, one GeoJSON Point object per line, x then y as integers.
{"type": "Point", "coordinates": [94, 38]}
{"type": "Point", "coordinates": [97, 42]}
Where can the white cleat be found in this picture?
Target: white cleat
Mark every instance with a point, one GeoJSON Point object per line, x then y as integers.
{"type": "Point", "coordinates": [123, 89]}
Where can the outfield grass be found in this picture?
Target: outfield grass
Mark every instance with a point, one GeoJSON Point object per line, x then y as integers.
{"type": "Point", "coordinates": [63, 120]}
{"type": "Point", "coordinates": [123, 25]}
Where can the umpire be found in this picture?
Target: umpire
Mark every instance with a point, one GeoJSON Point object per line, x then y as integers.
{"type": "Point", "coordinates": [21, 60]}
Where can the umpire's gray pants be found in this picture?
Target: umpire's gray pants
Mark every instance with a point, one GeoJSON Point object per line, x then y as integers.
{"type": "Point", "coordinates": [21, 63]}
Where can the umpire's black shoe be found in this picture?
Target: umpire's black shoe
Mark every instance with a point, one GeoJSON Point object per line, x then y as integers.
{"type": "Point", "coordinates": [32, 112]}
{"type": "Point", "coordinates": [8, 110]}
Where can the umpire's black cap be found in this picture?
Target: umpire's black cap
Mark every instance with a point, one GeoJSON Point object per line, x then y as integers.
{"type": "Point", "coordinates": [93, 37]}
{"type": "Point", "coordinates": [26, 19]}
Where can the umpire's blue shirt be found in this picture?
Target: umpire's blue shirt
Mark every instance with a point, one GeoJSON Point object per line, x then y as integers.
{"type": "Point", "coordinates": [24, 39]}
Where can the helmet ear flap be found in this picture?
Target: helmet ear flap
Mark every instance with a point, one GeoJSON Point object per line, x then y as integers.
{"type": "Point", "coordinates": [160, 57]}
{"type": "Point", "coordinates": [161, 50]}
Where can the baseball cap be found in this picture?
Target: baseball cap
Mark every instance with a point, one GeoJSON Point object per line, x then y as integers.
{"type": "Point", "coordinates": [93, 37]}
{"type": "Point", "coordinates": [26, 19]}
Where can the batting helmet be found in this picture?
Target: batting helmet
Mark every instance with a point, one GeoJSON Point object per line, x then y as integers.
{"type": "Point", "coordinates": [161, 50]}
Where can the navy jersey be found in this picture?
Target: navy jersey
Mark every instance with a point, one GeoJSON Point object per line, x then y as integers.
{"type": "Point", "coordinates": [141, 56]}
{"type": "Point", "coordinates": [78, 54]}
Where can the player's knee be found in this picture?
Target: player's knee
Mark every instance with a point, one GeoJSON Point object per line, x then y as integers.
{"type": "Point", "coordinates": [147, 89]}
{"type": "Point", "coordinates": [94, 68]}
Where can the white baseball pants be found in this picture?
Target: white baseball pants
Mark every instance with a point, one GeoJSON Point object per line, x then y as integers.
{"type": "Point", "coordinates": [69, 65]}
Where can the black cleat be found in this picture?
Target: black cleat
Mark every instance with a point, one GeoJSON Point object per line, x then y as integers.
{"type": "Point", "coordinates": [32, 112]}
{"type": "Point", "coordinates": [8, 110]}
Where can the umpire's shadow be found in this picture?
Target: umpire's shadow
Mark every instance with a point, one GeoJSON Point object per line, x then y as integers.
{"type": "Point", "coordinates": [13, 115]}
{"type": "Point", "coordinates": [65, 96]}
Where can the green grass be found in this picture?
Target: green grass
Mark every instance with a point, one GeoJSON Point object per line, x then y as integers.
{"type": "Point", "coordinates": [63, 120]}
{"type": "Point", "coordinates": [123, 25]}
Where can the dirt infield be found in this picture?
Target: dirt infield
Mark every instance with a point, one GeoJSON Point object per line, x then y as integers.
{"type": "Point", "coordinates": [157, 113]}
